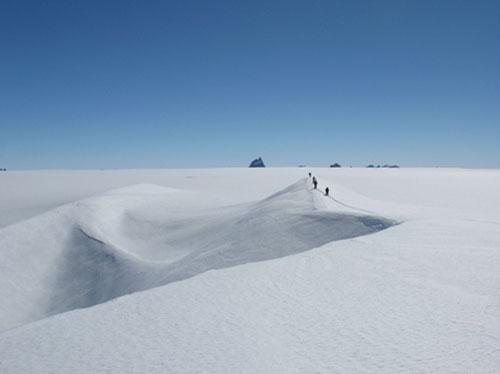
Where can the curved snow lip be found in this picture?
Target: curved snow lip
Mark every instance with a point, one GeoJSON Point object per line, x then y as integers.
{"type": "Point", "coordinates": [119, 243]}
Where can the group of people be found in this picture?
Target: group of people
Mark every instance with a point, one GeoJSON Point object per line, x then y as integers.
{"type": "Point", "coordinates": [315, 184]}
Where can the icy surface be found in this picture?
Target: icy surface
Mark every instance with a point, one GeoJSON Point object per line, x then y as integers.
{"type": "Point", "coordinates": [245, 270]}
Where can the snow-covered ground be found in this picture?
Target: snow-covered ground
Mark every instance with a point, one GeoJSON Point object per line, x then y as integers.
{"type": "Point", "coordinates": [250, 271]}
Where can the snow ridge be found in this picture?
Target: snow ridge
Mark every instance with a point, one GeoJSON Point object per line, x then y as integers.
{"type": "Point", "coordinates": [129, 240]}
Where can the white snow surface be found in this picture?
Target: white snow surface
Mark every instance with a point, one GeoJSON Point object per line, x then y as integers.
{"type": "Point", "coordinates": [250, 271]}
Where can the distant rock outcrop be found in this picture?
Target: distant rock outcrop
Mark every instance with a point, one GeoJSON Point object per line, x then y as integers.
{"type": "Point", "coordinates": [257, 163]}
{"type": "Point", "coordinates": [335, 165]}
{"type": "Point", "coordinates": [384, 166]}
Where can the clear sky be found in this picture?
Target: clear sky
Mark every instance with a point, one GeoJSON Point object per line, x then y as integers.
{"type": "Point", "coordinates": [126, 84]}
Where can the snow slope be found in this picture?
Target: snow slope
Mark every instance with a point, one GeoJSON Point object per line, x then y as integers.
{"type": "Point", "coordinates": [143, 236]}
{"type": "Point", "coordinates": [311, 292]}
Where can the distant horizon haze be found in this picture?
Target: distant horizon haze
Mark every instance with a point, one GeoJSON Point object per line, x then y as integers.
{"type": "Point", "coordinates": [305, 167]}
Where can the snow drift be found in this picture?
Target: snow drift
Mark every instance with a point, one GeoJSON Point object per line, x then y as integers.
{"type": "Point", "coordinates": [419, 297]}
{"type": "Point", "coordinates": [144, 236]}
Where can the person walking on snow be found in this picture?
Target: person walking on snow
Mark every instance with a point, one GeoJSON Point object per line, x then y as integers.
{"type": "Point", "coordinates": [315, 183]}
{"type": "Point", "coordinates": [309, 175]}
{"type": "Point", "coordinates": [327, 191]}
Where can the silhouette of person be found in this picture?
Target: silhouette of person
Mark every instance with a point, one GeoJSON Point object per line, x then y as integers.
{"type": "Point", "coordinates": [309, 175]}
{"type": "Point", "coordinates": [315, 182]}
{"type": "Point", "coordinates": [327, 191]}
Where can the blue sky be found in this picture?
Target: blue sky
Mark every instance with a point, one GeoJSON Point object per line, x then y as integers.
{"type": "Point", "coordinates": [126, 84]}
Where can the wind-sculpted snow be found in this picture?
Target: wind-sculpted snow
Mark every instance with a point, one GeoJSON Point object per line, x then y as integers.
{"type": "Point", "coordinates": [224, 287]}
{"type": "Point", "coordinates": [90, 272]}
{"type": "Point", "coordinates": [143, 236]}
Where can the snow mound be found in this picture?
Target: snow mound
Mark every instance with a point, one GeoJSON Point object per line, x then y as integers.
{"type": "Point", "coordinates": [144, 236]}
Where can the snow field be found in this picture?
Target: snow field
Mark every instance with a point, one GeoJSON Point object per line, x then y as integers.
{"type": "Point", "coordinates": [254, 280]}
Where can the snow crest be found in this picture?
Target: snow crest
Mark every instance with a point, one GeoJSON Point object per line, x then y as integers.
{"type": "Point", "coordinates": [136, 238]}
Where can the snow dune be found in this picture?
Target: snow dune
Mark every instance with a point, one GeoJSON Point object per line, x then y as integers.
{"type": "Point", "coordinates": [419, 297]}
{"type": "Point", "coordinates": [140, 237]}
